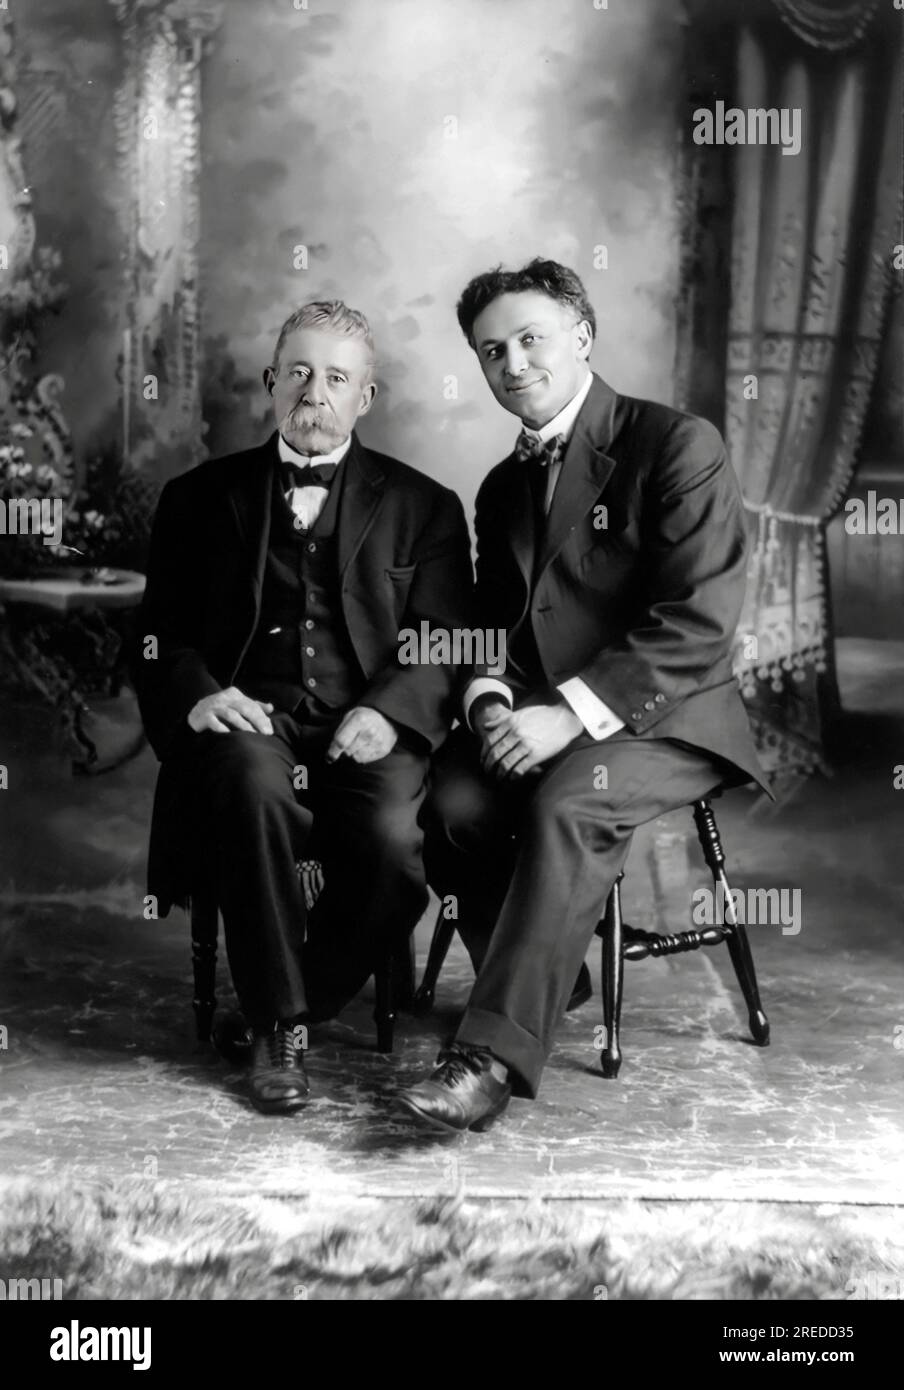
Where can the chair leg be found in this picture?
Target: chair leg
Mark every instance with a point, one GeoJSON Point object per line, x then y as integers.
{"type": "Point", "coordinates": [742, 960]}
{"type": "Point", "coordinates": [204, 928]}
{"type": "Point", "coordinates": [736, 935]}
{"type": "Point", "coordinates": [384, 1006]}
{"type": "Point", "coordinates": [440, 942]}
{"type": "Point", "coordinates": [612, 975]}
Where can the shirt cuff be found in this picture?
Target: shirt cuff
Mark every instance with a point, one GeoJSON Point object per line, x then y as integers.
{"type": "Point", "coordinates": [483, 685]}
{"type": "Point", "coordinates": [596, 717]}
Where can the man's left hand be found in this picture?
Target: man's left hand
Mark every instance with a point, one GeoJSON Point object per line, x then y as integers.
{"type": "Point", "coordinates": [364, 735]}
{"type": "Point", "coordinates": [529, 737]}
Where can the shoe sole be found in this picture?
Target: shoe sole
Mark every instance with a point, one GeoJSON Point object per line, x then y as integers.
{"type": "Point", "coordinates": [410, 1107]}
{"type": "Point", "coordinates": [280, 1107]}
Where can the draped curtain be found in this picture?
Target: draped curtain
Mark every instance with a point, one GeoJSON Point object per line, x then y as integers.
{"type": "Point", "coordinates": [158, 124]}
{"type": "Point", "coordinates": [812, 245]}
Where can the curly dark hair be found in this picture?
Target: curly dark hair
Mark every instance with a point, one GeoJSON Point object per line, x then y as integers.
{"type": "Point", "coordinates": [549, 277]}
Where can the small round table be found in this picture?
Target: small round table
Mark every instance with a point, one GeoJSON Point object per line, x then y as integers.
{"type": "Point", "coordinates": [75, 606]}
{"type": "Point", "coordinates": [66, 590]}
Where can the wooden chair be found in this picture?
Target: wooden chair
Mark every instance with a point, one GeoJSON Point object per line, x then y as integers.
{"type": "Point", "coordinates": [393, 980]}
{"type": "Point", "coordinates": [621, 942]}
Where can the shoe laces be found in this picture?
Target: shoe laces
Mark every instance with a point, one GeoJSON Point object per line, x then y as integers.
{"type": "Point", "coordinates": [455, 1063]}
{"type": "Point", "coordinates": [281, 1047]}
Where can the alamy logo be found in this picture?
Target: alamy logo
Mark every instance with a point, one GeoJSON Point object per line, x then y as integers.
{"type": "Point", "coordinates": [755, 126]}
{"type": "Point", "coordinates": [33, 516]}
{"type": "Point", "coordinates": [874, 1285]}
{"type": "Point", "coordinates": [27, 1290]}
{"type": "Point", "coordinates": [457, 646]}
{"type": "Point", "coordinates": [762, 907]}
{"type": "Point", "coordinates": [874, 516]}
{"type": "Point", "coordinates": [77, 1343]}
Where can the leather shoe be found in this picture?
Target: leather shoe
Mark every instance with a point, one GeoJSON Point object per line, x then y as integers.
{"type": "Point", "coordinates": [582, 991]}
{"type": "Point", "coordinates": [461, 1094]}
{"type": "Point", "coordinates": [232, 1038]}
{"type": "Point", "coordinates": [278, 1083]}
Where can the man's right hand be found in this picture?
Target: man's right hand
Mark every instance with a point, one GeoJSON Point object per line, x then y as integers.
{"type": "Point", "coordinates": [230, 709]}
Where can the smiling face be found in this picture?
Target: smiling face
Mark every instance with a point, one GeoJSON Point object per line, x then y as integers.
{"type": "Point", "coordinates": [319, 388]}
{"type": "Point", "coordinates": [533, 354]}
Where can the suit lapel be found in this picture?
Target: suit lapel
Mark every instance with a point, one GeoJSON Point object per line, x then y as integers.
{"type": "Point", "coordinates": [250, 499]}
{"type": "Point", "coordinates": [362, 493]}
{"type": "Point", "coordinates": [586, 469]}
{"type": "Point", "coordinates": [521, 531]}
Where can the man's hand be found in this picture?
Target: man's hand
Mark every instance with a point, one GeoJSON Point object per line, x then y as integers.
{"type": "Point", "coordinates": [364, 735]}
{"type": "Point", "coordinates": [230, 709]}
{"type": "Point", "coordinates": [486, 713]}
{"type": "Point", "coordinates": [526, 738]}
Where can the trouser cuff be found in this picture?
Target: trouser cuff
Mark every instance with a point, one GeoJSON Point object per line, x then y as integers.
{"type": "Point", "coordinates": [521, 1052]}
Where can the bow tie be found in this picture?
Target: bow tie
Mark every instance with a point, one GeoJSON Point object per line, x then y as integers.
{"type": "Point", "coordinates": [531, 450]}
{"type": "Point", "coordinates": [311, 474]}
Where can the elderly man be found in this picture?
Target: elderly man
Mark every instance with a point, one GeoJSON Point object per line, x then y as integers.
{"type": "Point", "coordinates": [611, 549]}
{"type": "Point", "coordinates": [271, 688]}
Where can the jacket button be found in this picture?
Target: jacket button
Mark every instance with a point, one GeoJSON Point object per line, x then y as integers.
{"type": "Point", "coordinates": [648, 704]}
{"type": "Point", "coordinates": [637, 714]}
{"type": "Point", "coordinates": [309, 623]}
{"type": "Point", "coordinates": [311, 548]}
{"type": "Point", "coordinates": [660, 699]}
{"type": "Point", "coordinates": [311, 680]}
{"type": "Point", "coordinates": [309, 651]}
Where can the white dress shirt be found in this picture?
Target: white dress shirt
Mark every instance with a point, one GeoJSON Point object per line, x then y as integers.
{"type": "Point", "coordinates": [308, 502]}
{"type": "Point", "coordinates": [562, 424]}
{"type": "Point", "coordinates": [596, 716]}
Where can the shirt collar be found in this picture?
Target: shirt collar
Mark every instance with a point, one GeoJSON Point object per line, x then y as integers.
{"type": "Point", "coordinates": [563, 423]}
{"type": "Point", "coordinates": [290, 455]}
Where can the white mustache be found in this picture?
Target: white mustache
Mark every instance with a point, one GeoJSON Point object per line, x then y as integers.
{"type": "Point", "coordinates": [308, 416]}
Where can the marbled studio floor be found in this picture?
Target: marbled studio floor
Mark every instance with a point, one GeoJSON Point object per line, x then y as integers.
{"type": "Point", "coordinates": [102, 1079]}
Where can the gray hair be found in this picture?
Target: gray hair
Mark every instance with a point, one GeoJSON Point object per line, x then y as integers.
{"type": "Point", "coordinates": [333, 316]}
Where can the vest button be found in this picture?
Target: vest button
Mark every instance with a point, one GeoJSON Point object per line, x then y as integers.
{"type": "Point", "coordinates": [311, 548]}
{"type": "Point", "coordinates": [309, 651]}
{"type": "Point", "coordinates": [311, 680]}
{"type": "Point", "coordinates": [309, 623]}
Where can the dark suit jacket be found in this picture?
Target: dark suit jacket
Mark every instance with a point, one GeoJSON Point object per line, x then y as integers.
{"type": "Point", "coordinates": [644, 608]}
{"type": "Point", "coordinates": [404, 557]}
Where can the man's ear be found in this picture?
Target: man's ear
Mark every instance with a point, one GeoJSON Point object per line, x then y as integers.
{"type": "Point", "coordinates": [368, 396]}
{"type": "Point", "coordinates": [269, 380]}
{"type": "Point", "coordinates": [584, 342]}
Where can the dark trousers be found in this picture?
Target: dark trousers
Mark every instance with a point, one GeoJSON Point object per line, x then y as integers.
{"type": "Point", "coordinates": [531, 863]}
{"type": "Point", "coordinates": [257, 818]}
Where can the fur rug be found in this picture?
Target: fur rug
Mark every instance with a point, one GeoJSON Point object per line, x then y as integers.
{"type": "Point", "coordinates": [139, 1240]}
